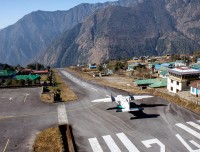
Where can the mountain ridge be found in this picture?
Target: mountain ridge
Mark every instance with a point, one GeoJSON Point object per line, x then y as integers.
{"type": "Point", "coordinates": [35, 31]}
{"type": "Point", "coordinates": [145, 29]}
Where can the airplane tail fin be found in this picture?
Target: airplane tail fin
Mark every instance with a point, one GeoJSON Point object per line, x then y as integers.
{"type": "Point", "coordinates": [112, 98]}
{"type": "Point", "coordinates": [131, 96]}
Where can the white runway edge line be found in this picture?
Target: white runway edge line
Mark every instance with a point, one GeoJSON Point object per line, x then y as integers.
{"type": "Point", "coordinates": [194, 125]}
{"type": "Point", "coordinates": [127, 143]}
{"type": "Point", "coordinates": [62, 115]}
{"type": "Point", "coordinates": [95, 145]}
{"type": "Point", "coordinates": [111, 144]}
{"type": "Point", "coordinates": [189, 130]}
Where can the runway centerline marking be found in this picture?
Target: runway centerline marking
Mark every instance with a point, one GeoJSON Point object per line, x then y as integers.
{"type": "Point", "coordinates": [95, 145]}
{"type": "Point", "coordinates": [189, 130]}
{"type": "Point", "coordinates": [6, 146]}
{"type": "Point", "coordinates": [194, 125]}
{"type": "Point", "coordinates": [62, 114]}
{"type": "Point", "coordinates": [127, 143]}
{"type": "Point", "coordinates": [111, 144]}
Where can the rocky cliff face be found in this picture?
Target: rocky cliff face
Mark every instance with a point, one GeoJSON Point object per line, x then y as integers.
{"type": "Point", "coordinates": [141, 27]}
{"type": "Point", "coordinates": [21, 42]}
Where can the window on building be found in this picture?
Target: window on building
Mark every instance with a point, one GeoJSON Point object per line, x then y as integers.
{"type": "Point", "coordinates": [188, 83]}
{"type": "Point", "coordinates": [177, 83]}
{"type": "Point", "coordinates": [193, 90]}
{"type": "Point", "coordinates": [177, 90]}
{"type": "Point", "coordinates": [171, 81]}
{"type": "Point", "coordinates": [171, 88]}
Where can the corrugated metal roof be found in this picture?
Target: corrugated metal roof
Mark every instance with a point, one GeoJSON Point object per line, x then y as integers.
{"type": "Point", "coordinates": [164, 72]}
{"type": "Point", "coordinates": [154, 83]}
{"type": "Point", "coordinates": [195, 84]}
{"type": "Point", "coordinates": [5, 73]}
{"type": "Point", "coordinates": [25, 77]}
{"type": "Point", "coordinates": [162, 83]}
{"type": "Point", "coordinates": [195, 66]}
{"type": "Point", "coordinates": [184, 71]}
{"type": "Point", "coordinates": [145, 81]}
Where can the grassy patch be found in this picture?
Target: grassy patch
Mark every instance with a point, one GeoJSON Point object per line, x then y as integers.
{"type": "Point", "coordinates": [60, 86]}
{"type": "Point", "coordinates": [57, 139]}
{"type": "Point", "coordinates": [47, 97]}
{"type": "Point", "coordinates": [49, 140]}
{"type": "Point", "coordinates": [66, 93]}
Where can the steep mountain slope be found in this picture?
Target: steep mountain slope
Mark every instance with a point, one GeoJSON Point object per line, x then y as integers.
{"type": "Point", "coordinates": [20, 42]}
{"type": "Point", "coordinates": [145, 27]}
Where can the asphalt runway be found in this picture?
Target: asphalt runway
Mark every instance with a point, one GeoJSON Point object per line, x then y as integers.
{"type": "Point", "coordinates": [160, 127]}
{"type": "Point", "coordinates": [97, 127]}
{"type": "Point", "coordinates": [22, 116]}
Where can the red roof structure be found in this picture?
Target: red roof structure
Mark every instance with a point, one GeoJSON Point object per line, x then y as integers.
{"type": "Point", "coordinates": [195, 84]}
{"type": "Point", "coordinates": [40, 72]}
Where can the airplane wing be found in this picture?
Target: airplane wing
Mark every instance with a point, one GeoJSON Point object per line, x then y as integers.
{"type": "Point", "coordinates": [103, 100]}
{"type": "Point", "coordinates": [142, 97]}
{"type": "Point", "coordinates": [129, 110]}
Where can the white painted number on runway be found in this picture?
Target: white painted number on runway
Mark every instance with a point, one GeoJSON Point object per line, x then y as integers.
{"type": "Point", "coordinates": [187, 146]}
{"type": "Point", "coordinates": [95, 145]}
{"type": "Point", "coordinates": [127, 143]}
{"type": "Point", "coordinates": [148, 144]}
{"type": "Point", "coordinates": [111, 144]}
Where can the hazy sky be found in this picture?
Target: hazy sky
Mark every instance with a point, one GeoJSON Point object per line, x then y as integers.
{"type": "Point", "coordinates": [13, 10]}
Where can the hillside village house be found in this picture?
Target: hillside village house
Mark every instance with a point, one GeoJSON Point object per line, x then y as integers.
{"type": "Point", "coordinates": [180, 63]}
{"type": "Point", "coordinates": [198, 60]}
{"type": "Point", "coordinates": [195, 88]}
{"type": "Point", "coordinates": [180, 78]}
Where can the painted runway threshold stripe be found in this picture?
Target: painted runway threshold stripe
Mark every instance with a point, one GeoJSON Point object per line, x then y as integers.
{"type": "Point", "coordinates": [127, 143]}
{"type": "Point", "coordinates": [111, 144]}
{"type": "Point", "coordinates": [95, 145]}
{"type": "Point", "coordinates": [194, 125]}
{"type": "Point", "coordinates": [194, 143]}
{"type": "Point", "coordinates": [189, 130]}
{"type": "Point", "coordinates": [62, 115]}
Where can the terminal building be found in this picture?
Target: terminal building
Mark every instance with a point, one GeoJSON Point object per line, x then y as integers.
{"type": "Point", "coordinates": [180, 78]}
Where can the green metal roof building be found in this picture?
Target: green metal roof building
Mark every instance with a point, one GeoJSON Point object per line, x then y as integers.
{"type": "Point", "coordinates": [153, 83]}
{"type": "Point", "coordinates": [25, 77]}
{"type": "Point", "coordinates": [7, 73]}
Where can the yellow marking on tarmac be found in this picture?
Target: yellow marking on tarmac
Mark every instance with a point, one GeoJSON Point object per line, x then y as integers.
{"type": "Point", "coordinates": [6, 146]}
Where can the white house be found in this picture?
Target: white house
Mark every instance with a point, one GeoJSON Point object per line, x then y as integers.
{"type": "Point", "coordinates": [180, 63]}
{"type": "Point", "coordinates": [180, 78]}
{"type": "Point", "coordinates": [195, 88]}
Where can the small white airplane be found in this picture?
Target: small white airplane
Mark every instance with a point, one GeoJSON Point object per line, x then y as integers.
{"type": "Point", "coordinates": [123, 102]}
